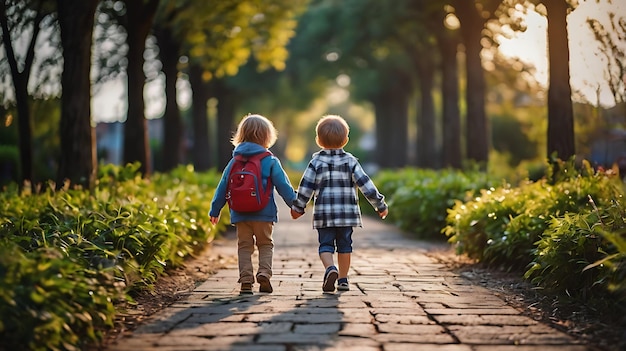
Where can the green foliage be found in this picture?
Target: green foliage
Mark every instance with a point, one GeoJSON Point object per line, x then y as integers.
{"type": "Point", "coordinates": [482, 221]}
{"type": "Point", "coordinates": [49, 301]}
{"type": "Point", "coordinates": [419, 198]}
{"type": "Point", "coordinates": [228, 33]}
{"type": "Point", "coordinates": [583, 254]}
{"type": "Point", "coordinates": [501, 226]}
{"type": "Point", "coordinates": [567, 230]}
{"type": "Point", "coordinates": [96, 247]}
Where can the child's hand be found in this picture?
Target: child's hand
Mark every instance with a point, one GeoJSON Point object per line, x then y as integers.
{"type": "Point", "coordinates": [384, 213]}
{"type": "Point", "coordinates": [295, 214]}
{"type": "Point", "coordinates": [214, 220]}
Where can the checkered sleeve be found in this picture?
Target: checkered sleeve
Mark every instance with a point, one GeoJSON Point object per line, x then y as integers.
{"type": "Point", "coordinates": [306, 188]}
{"type": "Point", "coordinates": [369, 190]}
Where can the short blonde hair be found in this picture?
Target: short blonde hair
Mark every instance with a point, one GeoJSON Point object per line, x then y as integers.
{"type": "Point", "coordinates": [332, 132]}
{"type": "Point", "coordinates": [255, 129]}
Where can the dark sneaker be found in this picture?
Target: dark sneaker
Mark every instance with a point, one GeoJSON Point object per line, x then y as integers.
{"type": "Point", "coordinates": [246, 289]}
{"type": "Point", "coordinates": [266, 286]}
{"type": "Point", "coordinates": [330, 276]}
{"type": "Point", "coordinates": [342, 284]}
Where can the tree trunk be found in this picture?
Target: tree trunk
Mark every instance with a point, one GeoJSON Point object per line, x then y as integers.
{"type": "Point", "coordinates": [20, 85]}
{"type": "Point", "coordinates": [391, 108]}
{"type": "Point", "coordinates": [78, 147]}
{"type": "Point", "coordinates": [426, 120]}
{"type": "Point", "coordinates": [560, 110]}
{"type": "Point", "coordinates": [139, 18]}
{"type": "Point", "coordinates": [383, 130]}
{"type": "Point", "coordinates": [225, 122]}
{"type": "Point", "coordinates": [477, 134]}
{"type": "Point", "coordinates": [24, 130]}
{"type": "Point", "coordinates": [202, 153]}
{"type": "Point", "coordinates": [452, 155]}
{"type": "Point", "coordinates": [169, 49]}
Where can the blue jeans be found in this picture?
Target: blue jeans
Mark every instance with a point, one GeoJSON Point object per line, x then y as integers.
{"type": "Point", "coordinates": [339, 237]}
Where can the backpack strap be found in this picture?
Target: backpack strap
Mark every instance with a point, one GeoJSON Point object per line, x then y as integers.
{"type": "Point", "coordinates": [261, 156]}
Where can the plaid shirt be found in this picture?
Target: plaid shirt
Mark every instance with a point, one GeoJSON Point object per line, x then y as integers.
{"type": "Point", "coordinates": [332, 177]}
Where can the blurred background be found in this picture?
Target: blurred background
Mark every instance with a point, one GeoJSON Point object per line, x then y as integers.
{"type": "Point", "coordinates": [423, 83]}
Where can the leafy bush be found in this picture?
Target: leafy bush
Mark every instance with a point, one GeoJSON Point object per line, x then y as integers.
{"type": "Point", "coordinates": [111, 240]}
{"type": "Point", "coordinates": [48, 301]}
{"type": "Point", "coordinates": [475, 225]}
{"type": "Point", "coordinates": [502, 226]}
{"type": "Point", "coordinates": [583, 254]}
{"type": "Point", "coordinates": [567, 232]}
{"type": "Point", "coordinates": [419, 198]}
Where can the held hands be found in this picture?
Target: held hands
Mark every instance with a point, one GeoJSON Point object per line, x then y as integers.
{"type": "Point", "coordinates": [214, 220]}
{"type": "Point", "coordinates": [295, 214]}
{"type": "Point", "coordinates": [383, 214]}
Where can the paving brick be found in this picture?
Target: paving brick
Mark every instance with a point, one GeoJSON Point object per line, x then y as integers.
{"type": "Point", "coordinates": [536, 335]}
{"type": "Point", "coordinates": [478, 311]}
{"type": "Point", "coordinates": [421, 329]}
{"type": "Point", "coordinates": [532, 348]}
{"type": "Point", "coordinates": [403, 319]}
{"type": "Point", "coordinates": [415, 338]}
{"type": "Point", "coordinates": [358, 329]}
{"type": "Point", "coordinates": [327, 328]}
{"type": "Point", "coordinates": [295, 338]}
{"type": "Point", "coordinates": [426, 347]}
{"type": "Point", "coordinates": [472, 319]}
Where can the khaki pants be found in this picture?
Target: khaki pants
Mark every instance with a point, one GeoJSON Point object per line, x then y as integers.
{"type": "Point", "coordinates": [247, 232]}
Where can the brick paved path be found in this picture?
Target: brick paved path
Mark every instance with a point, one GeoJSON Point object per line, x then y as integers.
{"type": "Point", "coordinates": [400, 299]}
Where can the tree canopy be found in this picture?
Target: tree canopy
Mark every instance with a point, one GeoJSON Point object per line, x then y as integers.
{"type": "Point", "coordinates": [426, 70]}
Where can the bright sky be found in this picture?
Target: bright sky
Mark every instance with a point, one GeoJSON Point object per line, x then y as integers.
{"type": "Point", "coordinates": [586, 67]}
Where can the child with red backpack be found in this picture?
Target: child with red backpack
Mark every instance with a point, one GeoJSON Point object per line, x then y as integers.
{"type": "Point", "coordinates": [247, 185]}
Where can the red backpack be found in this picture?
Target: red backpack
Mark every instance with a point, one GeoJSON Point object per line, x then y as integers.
{"type": "Point", "coordinates": [245, 191]}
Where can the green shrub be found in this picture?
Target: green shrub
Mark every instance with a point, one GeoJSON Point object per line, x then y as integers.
{"type": "Point", "coordinates": [583, 254]}
{"type": "Point", "coordinates": [113, 239]}
{"type": "Point", "coordinates": [50, 302]}
{"type": "Point", "coordinates": [502, 226]}
{"type": "Point", "coordinates": [568, 232]}
{"type": "Point", "coordinates": [419, 198]}
{"type": "Point", "coordinates": [475, 225]}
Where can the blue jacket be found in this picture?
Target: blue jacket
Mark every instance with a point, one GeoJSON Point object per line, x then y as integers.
{"type": "Point", "coordinates": [269, 166]}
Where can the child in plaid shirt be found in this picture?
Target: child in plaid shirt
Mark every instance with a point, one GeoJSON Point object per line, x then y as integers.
{"type": "Point", "coordinates": [331, 178]}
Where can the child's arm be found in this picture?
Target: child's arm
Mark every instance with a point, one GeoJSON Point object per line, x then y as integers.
{"type": "Point", "coordinates": [369, 190]}
{"type": "Point", "coordinates": [306, 189]}
{"type": "Point", "coordinates": [282, 183]}
{"type": "Point", "coordinates": [219, 197]}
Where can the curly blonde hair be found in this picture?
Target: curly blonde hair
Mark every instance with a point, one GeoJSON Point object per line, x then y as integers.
{"type": "Point", "coordinates": [332, 132]}
{"type": "Point", "coordinates": [255, 129]}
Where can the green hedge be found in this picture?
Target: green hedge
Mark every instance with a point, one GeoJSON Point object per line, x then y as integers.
{"type": "Point", "coordinates": [419, 198]}
{"type": "Point", "coordinates": [67, 256]}
{"type": "Point", "coordinates": [568, 235]}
